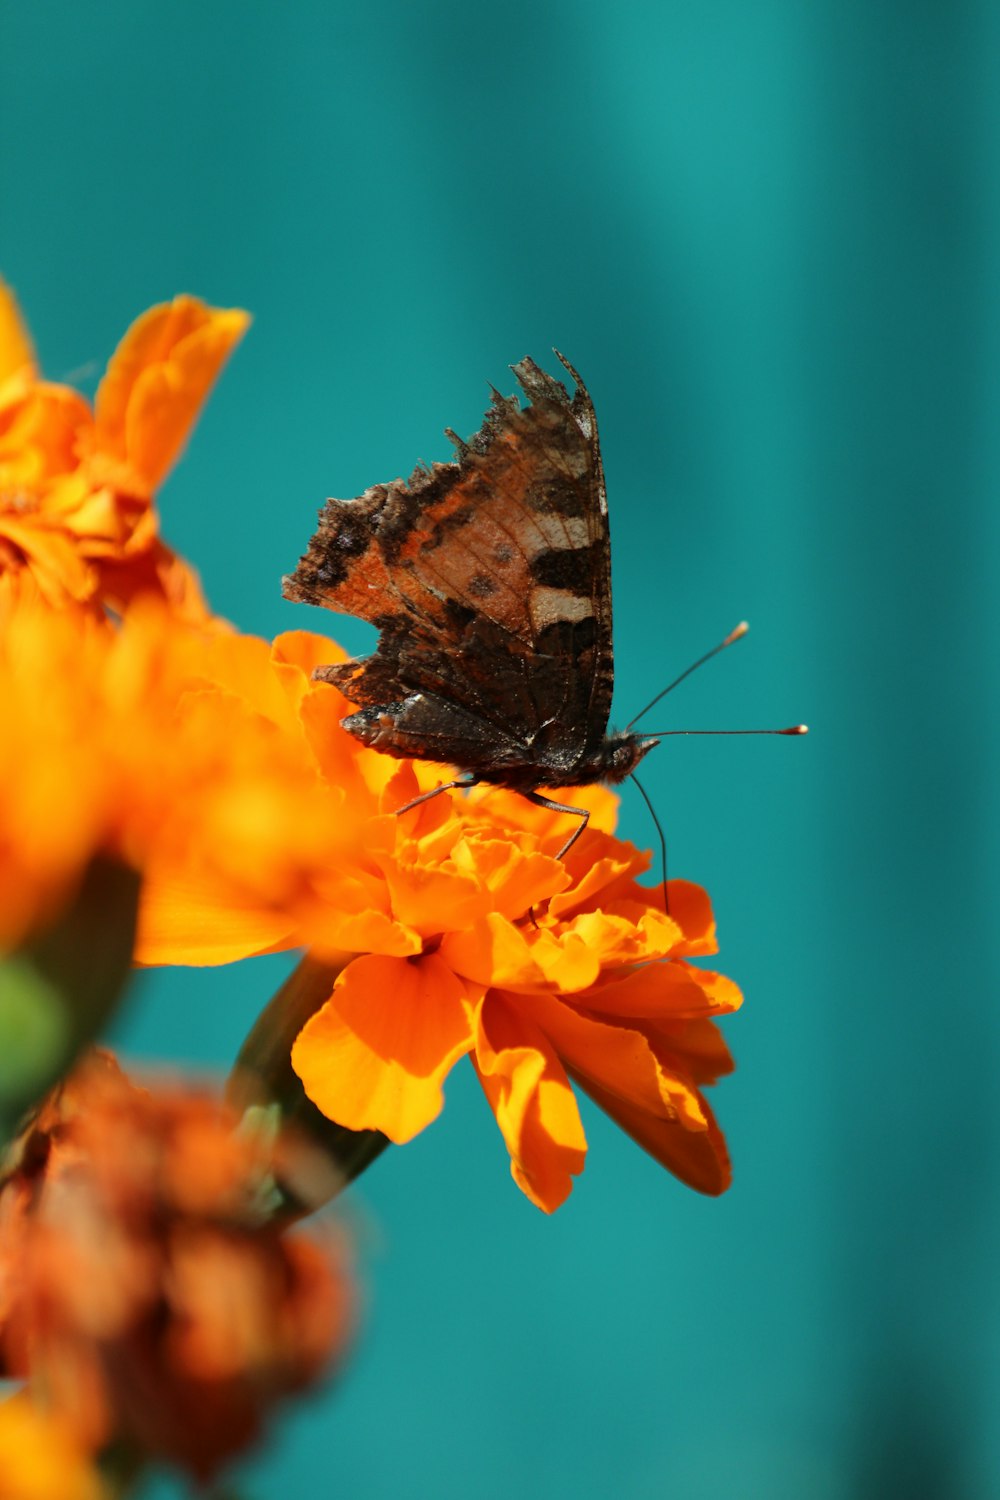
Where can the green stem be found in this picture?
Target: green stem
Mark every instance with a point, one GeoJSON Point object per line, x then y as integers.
{"type": "Point", "coordinates": [265, 1089]}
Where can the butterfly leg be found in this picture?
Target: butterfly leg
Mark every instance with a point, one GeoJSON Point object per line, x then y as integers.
{"type": "Point", "coordinates": [582, 813]}
{"type": "Point", "coordinates": [446, 786]}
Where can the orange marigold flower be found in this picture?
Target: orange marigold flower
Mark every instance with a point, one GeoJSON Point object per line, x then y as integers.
{"type": "Point", "coordinates": [40, 1458]}
{"type": "Point", "coordinates": [77, 484]}
{"type": "Point", "coordinates": [159, 746]}
{"type": "Point", "coordinates": [151, 743]}
{"type": "Point", "coordinates": [143, 1293]}
{"type": "Point", "coordinates": [455, 930]}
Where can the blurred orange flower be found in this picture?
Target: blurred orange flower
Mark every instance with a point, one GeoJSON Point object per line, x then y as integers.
{"type": "Point", "coordinates": [77, 484]}
{"type": "Point", "coordinates": [136, 745]}
{"type": "Point", "coordinates": [143, 1293]}
{"type": "Point", "coordinates": [40, 1458]}
{"type": "Point", "coordinates": [456, 930]}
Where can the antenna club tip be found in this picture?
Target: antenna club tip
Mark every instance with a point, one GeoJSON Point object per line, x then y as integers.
{"type": "Point", "coordinates": [734, 635]}
{"type": "Point", "coordinates": [796, 729]}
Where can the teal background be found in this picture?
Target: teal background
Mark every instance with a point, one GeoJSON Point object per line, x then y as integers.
{"type": "Point", "coordinates": [768, 235]}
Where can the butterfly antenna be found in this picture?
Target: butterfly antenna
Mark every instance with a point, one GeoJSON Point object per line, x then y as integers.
{"type": "Point", "coordinates": [663, 842]}
{"type": "Point", "coordinates": [660, 734]}
{"type": "Point", "coordinates": [734, 635]}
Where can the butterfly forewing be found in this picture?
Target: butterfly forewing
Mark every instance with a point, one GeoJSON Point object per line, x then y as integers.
{"type": "Point", "coordinates": [489, 580]}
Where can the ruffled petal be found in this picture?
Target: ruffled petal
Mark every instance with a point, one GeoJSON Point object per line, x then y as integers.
{"type": "Point", "coordinates": [531, 1097]}
{"type": "Point", "coordinates": [157, 381]}
{"type": "Point", "coordinates": [61, 573]}
{"type": "Point", "coordinates": [691, 909]}
{"type": "Point", "coordinates": [517, 879]}
{"type": "Point", "coordinates": [375, 1055]}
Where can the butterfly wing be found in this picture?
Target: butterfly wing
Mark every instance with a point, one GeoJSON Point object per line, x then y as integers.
{"type": "Point", "coordinates": [489, 580]}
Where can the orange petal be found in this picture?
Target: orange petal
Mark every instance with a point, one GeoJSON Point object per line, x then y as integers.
{"type": "Point", "coordinates": [618, 862]}
{"type": "Point", "coordinates": [671, 991]}
{"type": "Point", "coordinates": [617, 1057]}
{"type": "Point", "coordinates": [59, 570]}
{"type": "Point", "coordinates": [187, 920]}
{"type": "Point", "coordinates": [517, 879]}
{"type": "Point", "coordinates": [699, 1157]}
{"type": "Point", "coordinates": [636, 936]}
{"type": "Point", "coordinates": [695, 1048]}
{"type": "Point", "coordinates": [41, 1456]}
{"type": "Point", "coordinates": [493, 951]}
{"type": "Point", "coordinates": [157, 380]}
{"type": "Point", "coordinates": [160, 572]}
{"type": "Point", "coordinates": [691, 909]}
{"type": "Point", "coordinates": [431, 900]}
{"type": "Point", "coordinates": [534, 1105]}
{"type": "Point", "coordinates": [566, 959]}
{"type": "Point", "coordinates": [375, 1055]}
{"type": "Point", "coordinates": [306, 651]}
{"type": "Point", "coordinates": [16, 352]}
{"type": "Point", "coordinates": [41, 427]}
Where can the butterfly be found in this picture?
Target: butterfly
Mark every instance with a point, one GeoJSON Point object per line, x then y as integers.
{"type": "Point", "coordinates": [489, 580]}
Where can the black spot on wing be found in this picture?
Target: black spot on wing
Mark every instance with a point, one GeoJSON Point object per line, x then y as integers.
{"type": "Point", "coordinates": [568, 640]}
{"type": "Point", "coordinates": [570, 568]}
{"type": "Point", "coordinates": [561, 497]}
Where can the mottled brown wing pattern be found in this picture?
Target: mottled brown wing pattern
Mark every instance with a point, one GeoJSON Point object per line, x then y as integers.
{"type": "Point", "coordinates": [489, 580]}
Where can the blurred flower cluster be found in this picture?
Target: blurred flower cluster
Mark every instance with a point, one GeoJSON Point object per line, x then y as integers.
{"type": "Point", "coordinates": [173, 791]}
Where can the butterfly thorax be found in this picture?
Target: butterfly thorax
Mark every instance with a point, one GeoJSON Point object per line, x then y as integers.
{"type": "Point", "coordinates": [612, 760]}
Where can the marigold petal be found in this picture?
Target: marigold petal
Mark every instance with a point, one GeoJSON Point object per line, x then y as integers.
{"type": "Point", "coordinates": [332, 929]}
{"type": "Point", "coordinates": [41, 427]}
{"type": "Point", "coordinates": [16, 350]}
{"type": "Point", "coordinates": [638, 936]}
{"type": "Point", "coordinates": [60, 571]}
{"type": "Point", "coordinates": [305, 651]}
{"type": "Point", "coordinates": [617, 1057]}
{"type": "Point", "coordinates": [511, 810]}
{"type": "Point", "coordinates": [431, 899]}
{"type": "Point", "coordinates": [41, 1457]}
{"type": "Point", "coordinates": [159, 572]}
{"type": "Point", "coordinates": [533, 1102]}
{"type": "Point", "coordinates": [691, 909]}
{"type": "Point", "coordinates": [698, 1157]}
{"type": "Point", "coordinates": [517, 879]}
{"type": "Point", "coordinates": [595, 881]}
{"type": "Point", "coordinates": [157, 380]}
{"type": "Point", "coordinates": [694, 1048]}
{"type": "Point", "coordinates": [375, 1055]}
{"type": "Point", "coordinates": [493, 951]}
{"type": "Point", "coordinates": [567, 960]}
{"type": "Point", "coordinates": [187, 918]}
{"type": "Point", "coordinates": [672, 991]}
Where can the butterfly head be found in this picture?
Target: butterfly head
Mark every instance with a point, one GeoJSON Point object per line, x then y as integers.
{"type": "Point", "coordinates": [620, 753]}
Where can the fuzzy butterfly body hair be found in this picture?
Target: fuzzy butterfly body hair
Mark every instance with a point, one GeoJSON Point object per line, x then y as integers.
{"type": "Point", "coordinates": [489, 580]}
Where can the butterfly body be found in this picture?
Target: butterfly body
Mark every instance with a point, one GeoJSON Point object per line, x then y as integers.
{"type": "Point", "coordinates": [489, 580]}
